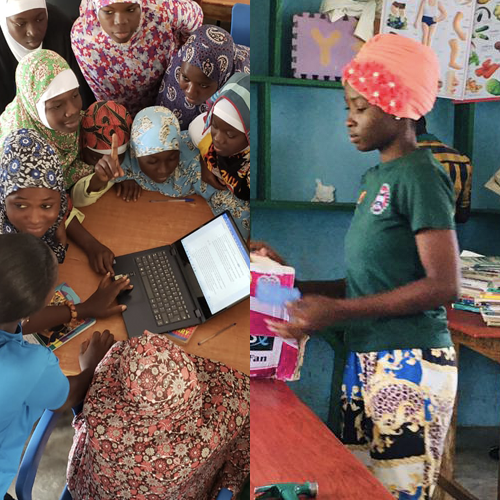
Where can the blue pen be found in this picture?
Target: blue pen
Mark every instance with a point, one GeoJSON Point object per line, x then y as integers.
{"type": "Point", "coordinates": [187, 200]}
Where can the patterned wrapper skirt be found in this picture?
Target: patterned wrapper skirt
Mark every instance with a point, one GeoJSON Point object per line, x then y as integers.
{"type": "Point", "coordinates": [396, 410]}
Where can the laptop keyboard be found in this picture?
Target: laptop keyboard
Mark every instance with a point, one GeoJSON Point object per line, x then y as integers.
{"type": "Point", "coordinates": [165, 298]}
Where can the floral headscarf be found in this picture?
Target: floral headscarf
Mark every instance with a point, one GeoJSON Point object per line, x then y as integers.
{"type": "Point", "coordinates": [28, 161]}
{"type": "Point", "coordinates": [395, 73]}
{"type": "Point", "coordinates": [34, 74]}
{"type": "Point", "coordinates": [130, 73]}
{"type": "Point", "coordinates": [212, 50]}
{"type": "Point", "coordinates": [155, 129]}
{"type": "Point", "coordinates": [160, 423]}
{"type": "Point", "coordinates": [101, 121]}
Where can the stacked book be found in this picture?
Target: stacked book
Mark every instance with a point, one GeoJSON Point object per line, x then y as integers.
{"type": "Point", "coordinates": [480, 287]}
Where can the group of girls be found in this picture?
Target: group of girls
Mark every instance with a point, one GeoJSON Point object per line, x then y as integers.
{"type": "Point", "coordinates": [145, 71]}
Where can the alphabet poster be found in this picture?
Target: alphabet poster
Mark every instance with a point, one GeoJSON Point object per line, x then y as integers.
{"type": "Point", "coordinates": [444, 25]}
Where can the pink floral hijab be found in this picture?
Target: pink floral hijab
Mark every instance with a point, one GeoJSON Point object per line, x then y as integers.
{"type": "Point", "coordinates": [159, 423]}
{"type": "Point", "coordinates": [130, 73]}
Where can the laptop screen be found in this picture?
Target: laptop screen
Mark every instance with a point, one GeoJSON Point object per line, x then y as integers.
{"type": "Point", "coordinates": [220, 262]}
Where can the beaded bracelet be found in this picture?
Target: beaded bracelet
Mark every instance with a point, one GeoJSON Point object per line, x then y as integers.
{"type": "Point", "coordinates": [73, 322]}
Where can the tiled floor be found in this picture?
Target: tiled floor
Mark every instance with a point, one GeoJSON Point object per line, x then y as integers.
{"type": "Point", "coordinates": [475, 470]}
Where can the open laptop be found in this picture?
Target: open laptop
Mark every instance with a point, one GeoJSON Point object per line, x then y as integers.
{"type": "Point", "coordinates": [186, 283]}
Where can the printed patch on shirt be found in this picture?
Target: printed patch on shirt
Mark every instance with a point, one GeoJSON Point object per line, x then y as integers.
{"type": "Point", "coordinates": [381, 202]}
{"type": "Point", "coordinates": [361, 197]}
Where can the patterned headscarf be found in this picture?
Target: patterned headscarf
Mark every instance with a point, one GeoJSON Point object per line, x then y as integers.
{"type": "Point", "coordinates": [28, 161]}
{"type": "Point", "coordinates": [34, 74]}
{"type": "Point", "coordinates": [395, 73]}
{"type": "Point", "coordinates": [233, 102]}
{"type": "Point", "coordinates": [130, 73]}
{"type": "Point", "coordinates": [237, 93]}
{"type": "Point", "coordinates": [100, 122]}
{"type": "Point", "coordinates": [212, 50]}
{"type": "Point", "coordinates": [155, 129]}
{"type": "Point", "coordinates": [161, 421]}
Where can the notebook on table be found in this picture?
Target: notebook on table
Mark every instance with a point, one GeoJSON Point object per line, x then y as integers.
{"type": "Point", "coordinates": [186, 283]}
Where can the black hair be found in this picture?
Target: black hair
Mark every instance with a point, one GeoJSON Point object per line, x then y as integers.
{"type": "Point", "coordinates": [421, 126]}
{"type": "Point", "coordinates": [28, 271]}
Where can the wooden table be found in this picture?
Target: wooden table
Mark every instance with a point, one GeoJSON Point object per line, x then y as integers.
{"type": "Point", "coordinates": [469, 330]}
{"type": "Point", "coordinates": [130, 227]}
{"type": "Point", "coordinates": [220, 10]}
{"type": "Point", "coordinates": [291, 444]}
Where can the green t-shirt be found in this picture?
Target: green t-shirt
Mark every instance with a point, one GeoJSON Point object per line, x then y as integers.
{"type": "Point", "coordinates": [397, 199]}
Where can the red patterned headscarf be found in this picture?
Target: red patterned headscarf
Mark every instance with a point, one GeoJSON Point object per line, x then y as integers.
{"type": "Point", "coordinates": [100, 122]}
{"type": "Point", "coordinates": [160, 423]}
{"type": "Point", "coordinates": [395, 73]}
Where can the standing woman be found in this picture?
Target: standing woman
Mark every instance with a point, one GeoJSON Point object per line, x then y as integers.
{"type": "Point", "coordinates": [200, 68]}
{"type": "Point", "coordinates": [400, 378]}
{"type": "Point", "coordinates": [28, 25]}
{"type": "Point", "coordinates": [49, 102]}
{"type": "Point", "coordinates": [124, 47]}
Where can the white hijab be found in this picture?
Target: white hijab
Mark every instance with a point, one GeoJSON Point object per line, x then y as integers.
{"type": "Point", "coordinates": [11, 8]}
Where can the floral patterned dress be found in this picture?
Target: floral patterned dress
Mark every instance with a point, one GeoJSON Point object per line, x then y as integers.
{"type": "Point", "coordinates": [130, 73]}
{"type": "Point", "coordinates": [158, 423]}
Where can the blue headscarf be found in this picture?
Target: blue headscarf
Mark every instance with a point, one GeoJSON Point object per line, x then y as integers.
{"type": "Point", "coordinates": [154, 130]}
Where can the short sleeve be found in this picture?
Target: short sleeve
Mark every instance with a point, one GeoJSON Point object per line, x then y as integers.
{"type": "Point", "coordinates": [425, 197]}
{"type": "Point", "coordinates": [80, 196]}
{"type": "Point", "coordinates": [74, 213]}
{"type": "Point", "coordinates": [52, 387]}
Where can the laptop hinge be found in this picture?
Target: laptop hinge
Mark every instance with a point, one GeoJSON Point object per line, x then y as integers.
{"type": "Point", "coordinates": [198, 313]}
{"type": "Point", "coordinates": [173, 251]}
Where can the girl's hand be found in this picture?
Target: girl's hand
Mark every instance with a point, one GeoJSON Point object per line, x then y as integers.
{"type": "Point", "coordinates": [94, 349]}
{"type": "Point", "coordinates": [61, 236]}
{"type": "Point", "coordinates": [312, 313]}
{"type": "Point", "coordinates": [100, 258]}
{"type": "Point", "coordinates": [108, 169]}
{"type": "Point", "coordinates": [100, 303]}
{"type": "Point", "coordinates": [128, 190]}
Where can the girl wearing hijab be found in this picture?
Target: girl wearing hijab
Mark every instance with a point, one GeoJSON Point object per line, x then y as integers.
{"type": "Point", "coordinates": [124, 47]}
{"type": "Point", "coordinates": [49, 102]}
{"type": "Point", "coordinates": [163, 159]}
{"type": "Point", "coordinates": [201, 67]}
{"type": "Point", "coordinates": [400, 378]}
{"type": "Point", "coordinates": [160, 423]}
{"type": "Point", "coordinates": [28, 25]}
{"type": "Point", "coordinates": [100, 122]}
{"type": "Point", "coordinates": [33, 200]}
{"type": "Point", "coordinates": [223, 138]}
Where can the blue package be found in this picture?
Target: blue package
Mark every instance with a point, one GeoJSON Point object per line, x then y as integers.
{"type": "Point", "coordinates": [275, 294]}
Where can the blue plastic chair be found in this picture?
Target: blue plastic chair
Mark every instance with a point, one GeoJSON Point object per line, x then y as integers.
{"type": "Point", "coordinates": [240, 24]}
{"type": "Point", "coordinates": [33, 455]}
{"type": "Point", "coordinates": [34, 452]}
